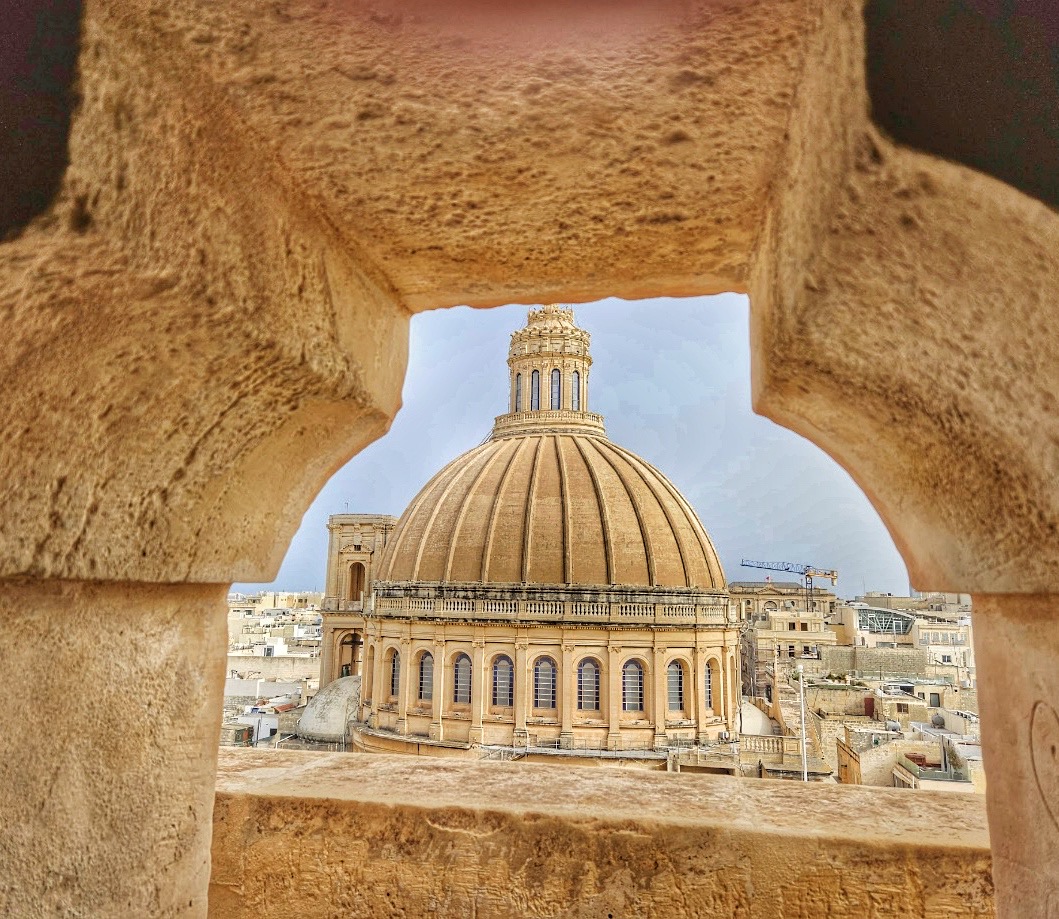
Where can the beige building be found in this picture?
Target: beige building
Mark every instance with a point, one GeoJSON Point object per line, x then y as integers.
{"type": "Point", "coordinates": [782, 625]}
{"type": "Point", "coordinates": [546, 589]}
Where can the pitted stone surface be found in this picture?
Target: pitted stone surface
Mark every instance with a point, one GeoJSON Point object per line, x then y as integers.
{"type": "Point", "coordinates": [379, 835]}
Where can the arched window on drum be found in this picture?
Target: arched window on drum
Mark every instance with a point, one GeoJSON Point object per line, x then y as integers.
{"type": "Point", "coordinates": [503, 682]}
{"type": "Point", "coordinates": [544, 682]}
{"type": "Point", "coordinates": [426, 677]}
{"type": "Point", "coordinates": [675, 686]}
{"type": "Point", "coordinates": [395, 674]}
{"type": "Point", "coordinates": [535, 391]}
{"type": "Point", "coordinates": [632, 687]}
{"type": "Point", "coordinates": [461, 680]}
{"type": "Point", "coordinates": [518, 392]}
{"type": "Point", "coordinates": [588, 685]}
{"type": "Point", "coordinates": [575, 392]}
{"type": "Point", "coordinates": [557, 390]}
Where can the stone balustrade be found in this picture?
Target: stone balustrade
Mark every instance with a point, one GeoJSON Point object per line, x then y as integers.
{"type": "Point", "coordinates": [319, 835]}
{"type": "Point", "coordinates": [552, 611]}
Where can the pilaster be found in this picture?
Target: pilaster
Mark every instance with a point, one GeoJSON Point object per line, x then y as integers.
{"type": "Point", "coordinates": [479, 689]}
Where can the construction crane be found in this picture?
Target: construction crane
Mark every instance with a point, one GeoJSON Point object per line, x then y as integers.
{"type": "Point", "coordinates": [807, 571]}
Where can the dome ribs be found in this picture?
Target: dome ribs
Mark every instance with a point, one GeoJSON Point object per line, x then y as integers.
{"type": "Point", "coordinates": [709, 554]}
{"type": "Point", "coordinates": [487, 549]}
{"type": "Point", "coordinates": [637, 510]}
{"type": "Point", "coordinates": [531, 494]}
{"type": "Point", "coordinates": [604, 515]}
{"type": "Point", "coordinates": [404, 525]}
{"type": "Point", "coordinates": [439, 504]}
{"type": "Point", "coordinates": [462, 515]}
{"type": "Point", "coordinates": [564, 497]}
{"type": "Point", "coordinates": [638, 463]}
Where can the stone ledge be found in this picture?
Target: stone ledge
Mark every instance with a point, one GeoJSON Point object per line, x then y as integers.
{"type": "Point", "coordinates": [320, 835]}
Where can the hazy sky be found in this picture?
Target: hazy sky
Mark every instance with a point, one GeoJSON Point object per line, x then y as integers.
{"type": "Point", "coordinates": [672, 379]}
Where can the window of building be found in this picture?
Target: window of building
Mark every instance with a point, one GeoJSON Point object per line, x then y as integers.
{"type": "Point", "coordinates": [790, 650]}
{"type": "Point", "coordinates": [518, 392]}
{"type": "Point", "coordinates": [426, 677]}
{"type": "Point", "coordinates": [544, 683]}
{"type": "Point", "coordinates": [395, 673]}
{"type": "Point", "coordinates": [632, 687]}
{"type": "Point", "coordinates": [535, 391]}
{"type": "Point", "coordinates": [461, 680]}
{"type": "Point", "coordinates": [902, 708]}
{"type": "Point", "coordinates": [557, 390]}
{"type": "Point", "coordinates": [575, 392]}
{"type": "Point", "coordinates": [675, 686]}
{"type": "Point", "coordinates": [805, 626]}
{"type": "Point", "coordinates": [935, 700]}
{"type": "Point", "coordinates": [792, 626]}
{"type": "Point", "coordinates": [946, 658]}
{"type": "Point", "coordinates": [503, 682]}
{"type": "Point", "coordinates": [806, 650]}
{"type": "Point", "coordinates": [709, 686]}
{"type": "Point", "coordinates": [588, 685]}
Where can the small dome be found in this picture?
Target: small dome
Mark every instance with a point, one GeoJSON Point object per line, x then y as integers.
{"type": "Point", "coordinates": [330, 710]}
{"type": "Point", "coordinates": [552, 508]}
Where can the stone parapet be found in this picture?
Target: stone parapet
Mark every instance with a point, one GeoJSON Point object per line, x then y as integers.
{"type": "Point", "coordinates": [523, 610]}
{"type": "Point", "coordinates": [388, 835]}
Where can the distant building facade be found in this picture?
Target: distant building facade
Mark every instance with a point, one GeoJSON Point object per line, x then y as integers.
{"type": "Point", "coordinates": [782, 625]}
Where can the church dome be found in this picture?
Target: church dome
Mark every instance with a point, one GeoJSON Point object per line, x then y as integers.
{"type": "Point", "coordinates": [548, 499]}
{"type": "Point", "coordinates": [560, 506]}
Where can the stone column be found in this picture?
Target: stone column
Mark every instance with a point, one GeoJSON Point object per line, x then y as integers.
{"type": "Point", "coordinates": [1017, 653]}
{"type": "Point", "coordinates": [569, 698]}
{"type": "Point", "coordinates": [328, 652]}
{"type": "Point", "coordinates": [479, 690]}
{"type": "Point", "coordinates": [377, 681]}
{"type": "Point", "coordinates": [437, 705]}
{"type": "Point", "coordinates": [523, 692]}
{"type": "Point", "coordinates": [107, 766]}
{"type": "Point", "coordinates": [405, 688]}
{"type": "Point", "coordinates": [614, 698]}
{"type": "Point", "coordinates": [698, 690]}
{"type": "Point", "coordinates": [659, 697]}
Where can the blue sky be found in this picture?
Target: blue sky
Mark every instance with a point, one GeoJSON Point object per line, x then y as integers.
{"type": "Point", "coordinates": [672, 379]}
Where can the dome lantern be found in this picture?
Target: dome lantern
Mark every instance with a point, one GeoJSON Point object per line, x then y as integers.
{"type": "Point", "coordinates": [549, 364]}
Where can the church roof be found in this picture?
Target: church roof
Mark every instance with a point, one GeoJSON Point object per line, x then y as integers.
{"type": "Point", "coordinates": [548, 499]}
{"type": "Point", "coordinates": [552, 508]}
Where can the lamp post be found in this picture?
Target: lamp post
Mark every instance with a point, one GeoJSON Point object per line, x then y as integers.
{"type": "Point", "coordinates": [801, 708]}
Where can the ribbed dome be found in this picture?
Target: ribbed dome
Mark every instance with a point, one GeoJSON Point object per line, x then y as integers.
{"type": "Point", "coordinates": [551, 508]}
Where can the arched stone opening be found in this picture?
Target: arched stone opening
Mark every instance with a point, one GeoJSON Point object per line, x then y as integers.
{"type": "Point", "coordinates": [356, 581]}
{"type": "Point", "coordinates": [910, 299]}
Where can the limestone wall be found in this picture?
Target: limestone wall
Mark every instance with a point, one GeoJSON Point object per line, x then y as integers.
{"type": "Point", "coordinates": [844, 659]}
{"type": "Point", "coordinates": [317, 835]}
{"type": "Point", "coordinates": [283, 668]}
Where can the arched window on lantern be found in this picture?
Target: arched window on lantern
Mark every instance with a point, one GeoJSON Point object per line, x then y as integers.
{"type": "Point", "coordinates": [588, 685]}
{"type": "Point", "coordinates": [575, 392]}
{"type": "Point", "coordinates": [632, 687]}
{"type": "Point", "coordinates": [461, 680]}
{"type": "Point", "coordinates": [557, 390]}
{"type": "Point", "coordinates": [535, 391]}
{"type": "Point", "coordinates": [503, 682]}
{"type": "Point", "coordinates": [544, 672]}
